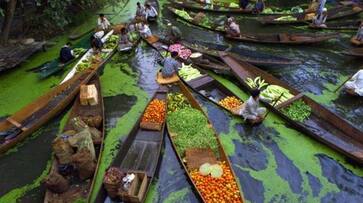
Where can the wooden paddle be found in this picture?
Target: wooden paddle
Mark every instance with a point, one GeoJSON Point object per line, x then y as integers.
{"type": "Point", "coordinates": [273, 105]}
{"type": "Point", "coordinates": [350, 77]}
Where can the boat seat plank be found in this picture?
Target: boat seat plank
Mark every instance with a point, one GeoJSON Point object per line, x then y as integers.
{"type": "Point", "coordinates": [15, 123]}
{"type": "Point", "coordinates": [289, 101]}
{"type": "Point", "coordinates": [200, 81]}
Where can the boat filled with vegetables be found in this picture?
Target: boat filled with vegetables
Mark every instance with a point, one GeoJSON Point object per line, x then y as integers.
{"type": "Point", "coordinates": [199, 149]}
{"type": "Point", "coordinates": [300, 111]}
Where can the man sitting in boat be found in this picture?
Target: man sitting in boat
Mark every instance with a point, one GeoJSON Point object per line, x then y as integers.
{"type": "Point", "coordinates": [232, 28]}
{"type": "Point", "coordinates": [320, 19]}
{"type": "Point", "coordinates": [243, 4]}
{"type": "Point", "coordinates": [124, 41]}
{"type": "Point", "coordinates": [103, 23]}
{"type": "Point", "coordinates": [355, 85]}
{"type": "Point", "coordinates": [359, 35]}
{"type": "Point", "coordinates": [150, 13]}
{"type": "Point", "coordinates": [140, 11]}
{"type": "Point", "coordinates": [144, 30]}
{"type": "Point", "coordinates": [259, 7]}
{"type": "Point", "coordinates": [66, 53]}
{"type": "Point", "coordinates": [96, 41]}
{"type": "Point", "coordinates": [251, 110]}
{"type": "Point", "coordinates": [170, 65]}
{"type": "Point", "coordinates": [173, 34]}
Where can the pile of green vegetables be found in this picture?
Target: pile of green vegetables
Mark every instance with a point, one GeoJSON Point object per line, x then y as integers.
{"type": "Point", "coordinates": [297, 111]}
{"type": "Point", "coordinates": [85, 64]}
{"type": "Point", "coordinates": [187, 72]}
{"type": "Point", "coordinates": [191, 130]}
{"type": "Point", "coordinates": [111, 42]}
{"type": "Point", "coordinates": [78, 51]}
{"type": "Point", "coordinates": [296, 9]}
{"type": "Point", "coordinates": [273, 92]}
{"type": "Point", "coordinates": [286, 18]}
{"type": "Point", "coordinates": [205, 22]}
{"type": "Point", "coordinates": [257, 83]}
{"type": "Point", "coordinates": [177, 101]}
{"type": "Point", "coordinates": [183, 14]}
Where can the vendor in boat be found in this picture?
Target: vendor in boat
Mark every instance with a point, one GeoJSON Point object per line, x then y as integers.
{"type": "Point", "coordinates": [251, 110]}
{"type": "Point", "coordinates": [259, 6]}
{"type": "Point", "coordinates": [66, 53]}
{"type": "Point", "coordinates": [321, 7]}
{"type": "Point", "coordinates": [173, 34]}
{"type": "Point", "coordinates": [124, 39]}
{"type": "Point", "coordinates": [232, 28]}
{"type": "Point", "coordinates": [355, 84]}
{"type": "Point", "coordinates": [150, 13]}
{"type": "Point", "coordinates": [170, 65]}
{"type": "Point", "coordinates": [144, 30]}
{"type": "Point", "coordinates": [243, 4]}
{"type": "Point", "coordinates": [103, 23]}
{"type": "Point", "coordinates": [320, 19]}
{"type": "Point", "coordinates": [140, 11]}
{"type": "Point", "coordinates": [359, 35]}
{"type": "Point", "coordinates": [96, 41]}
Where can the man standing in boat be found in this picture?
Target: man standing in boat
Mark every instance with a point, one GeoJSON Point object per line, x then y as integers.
{"type": "Point", "coordinates": [150, 13]}
{"type": "Point", "coordinates": [140, 12]}
{"type": "Point", "coordinates": [103, 23]}
{"type": "Point", "coordinates": [355, 85]}
{"type": "Point", "coordinates": [66, 53]}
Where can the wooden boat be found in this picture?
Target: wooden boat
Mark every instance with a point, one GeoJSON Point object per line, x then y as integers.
{"type": "Point", "coordinates": [141, 151]}
{"type": "Point", "coordinates": [270, 38]}
{"type": "Point", "coordinates": [323, 125]}
{"type": "Point", "coordinates": [195, 5]}
{"type": "Point", "coordinates": [80, 188]}
{"type": "Point", "coordinates": [356, 42]}
{"type": "Point", "coordinates": [31, 117]}
{"type": "Point", "coordinates": [333, 14]}
{"type": "Point", "coordinates": [129, 47]}
{"type": "Point", "coordinates": [345, 25]}
{"type": "Point", "coordinates": [181, 88]}
{"type": "Point", "coordinates": [357, 52]}
{"type": "Point", "coordinates": [89, 54]}
{"type": "Point", "coordinates": [254, 58]}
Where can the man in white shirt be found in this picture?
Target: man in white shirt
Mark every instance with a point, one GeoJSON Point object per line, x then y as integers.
{"type": "Point", "coordinates": [103, 23]}
{"type": "Point", "coordinates": [355, 84]}
{"type": "Point", "coordinates": [150, 13]}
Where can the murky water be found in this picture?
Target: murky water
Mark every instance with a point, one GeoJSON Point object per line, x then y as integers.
{"type": "Point", "coordinates": [273, 162]}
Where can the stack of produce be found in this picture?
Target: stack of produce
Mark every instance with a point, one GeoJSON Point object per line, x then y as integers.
{"type": "Point", "coordinates": [111, 42]}
{"type": "Point", "coordinates": [286, 18]}
{"type": "Point", "coordinates": [85, 64]}
{"type": "Point", "coordinates": [191, 130]}
{"type": "Point", "coordinates": [183, 14]}
{"type": "Point", "coordinates": [183, 52]}
{"type": "Point", "coordinates": [154, 115]}
{"type": "Point", "coordinates": [176, 102]}
{"type": "Point", "coordinates": [223, 189]}
{"type": "Point", "coordinates": [257, 83]}
{"type": "Point", "coordinates": [297, 111]}
{"type": "Point", "coordinates": [230, 103]}
{"type": "Point", "coordinates": [206, 22]}
{"type": "Point", "coordinates": [273, 92]}
{"type": "Point", "coordinates": [187, 72]}
{"type": "Point", "coordinates": [78, 51]}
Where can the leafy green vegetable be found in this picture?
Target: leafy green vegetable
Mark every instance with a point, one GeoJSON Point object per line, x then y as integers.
{"type": "Point", "coordinates": [297, 111]}
{"type": "Point", "coordinates": [176, 102]}
{"type": "Point", "coordinates": [273, 92]}
{"type": "Point", "coordinates": [111, 43]}
{"type": "Point", "coordinates": [191, 130]}
{"type": "Point", "coordinates": [189, 73]}
{"type": "Point", "coordinates": [286, 18]}
{"type": "Point", "coordinates": [183, 14]}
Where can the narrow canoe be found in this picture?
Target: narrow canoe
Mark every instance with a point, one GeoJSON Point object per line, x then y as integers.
{"type": "Point", "coordinates": [333, 14]}
{"type": "Point", "coordinates": [80, 189]}
{"type": "Point", "coordinates": [356, 52]}
{"type": "Point", "coordinates": [181, 88]}
{"type": "Point", "coordinates": [323, 125]}
{"type": "Point", "coordinates": [141, 151]}
{"type": "Point", "coordinates": [345, 25]}
{"type": "Point", "coordinates": [31, 117]}
{"type": "Point", "coordinates": [256, 58]}
{"type": "Point", "coordinates": [269, 38]}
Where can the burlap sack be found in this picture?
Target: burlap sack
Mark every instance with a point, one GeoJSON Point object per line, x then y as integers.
{"type": "Point", "coordinates": [93, 121]}
{"type": "Point", "coordinates": [112, 181]}
{"type": "Point", "coordinates": [62, 150]}
{"type": "Point", "coordinates": [83, 140]}
{"type": "Point", "coordinates": [84, 163]}
{"type": "Point", "coordinates": [56, 183]}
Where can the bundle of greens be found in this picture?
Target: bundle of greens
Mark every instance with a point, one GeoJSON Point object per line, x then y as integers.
{"type": "Point", "coordinates": [111, 42]}
{"type": "Point", "coordinates": [257, 83]}
{"type": "Point", "coordinates": [187, 72]}
{"type": "Point", "coordinates": [273, 92]}
{"type": "Point", "coordinates": [297, 111]}
{"type": "Point", "coordinates": [206, 22]}
{"type": "Point", "coordinates": [191, 130]}
{"type": "Point", "coordinates": [286, 18]}
{"type": "Point", "coordinates": [78, 51]}
{"type": "Point", "coordinates": [176, 102]}
{"type": "Point", "coordinates": [183, 14]}
{"type": "Point", "coordinates": [85, 64]}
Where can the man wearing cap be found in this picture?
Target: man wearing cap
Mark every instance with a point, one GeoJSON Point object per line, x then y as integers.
{"type": "Point", "coordinates": [173, 34]}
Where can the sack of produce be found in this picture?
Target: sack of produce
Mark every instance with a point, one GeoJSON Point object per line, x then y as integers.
{"type": "Point", "coordinates": [83, 140]}
{"type": "Point", "coordinates": [84, 163]}
{"type": "Point", "coordinates": [198, 18]}
{"type": "Point", "coordinates": [92, 121]}
{"type": "Point", "coordinates": [80, 125]}
{"type": "Point", "coordinates": [112, 181]}
{"type": "Point", "coordinates": [65, 169]}
{"type": "Point", "coordinates": [62, 150]}
{"type": "Point", "coordinates": [56, 183]}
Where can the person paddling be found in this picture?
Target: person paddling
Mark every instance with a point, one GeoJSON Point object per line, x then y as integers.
{"type": "Point", "coordinates": [96, 41]}
{"type": "Point", "coordinates": [150, 13]}
{"type": "Point", "coordinates": [170, 65]}
{"type": "Point", "coordinates": [66, 53]}
{"type": "Point", "coordinates": [251, 110]}
{"type": "Point", "coordinates": [140, 11]}
{"type": "Point", "coordinates": [232, 28]}
{"type": "Point", "coordinates": [355, 84]}
{"type": "Point", "coordinates": [103, 23]}
{"type": "Point", "coordinates": [144, 30]}
{"type": "Point", "coordinates": [124, 39]}
{"type": "Point", "coordinates": [320, 19]}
